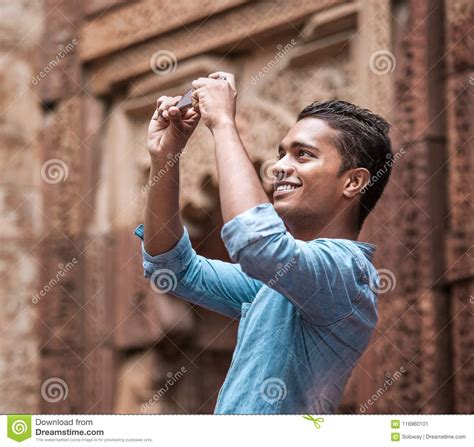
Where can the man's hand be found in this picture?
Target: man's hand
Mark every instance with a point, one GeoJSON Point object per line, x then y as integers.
{"type": "Point", "coordinates": [170, 129]}
{"type": "Point", "coordinates": [215, 98]}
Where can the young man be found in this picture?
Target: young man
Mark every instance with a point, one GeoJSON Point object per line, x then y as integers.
{"type": "Point", "coordinates": [301, 285]}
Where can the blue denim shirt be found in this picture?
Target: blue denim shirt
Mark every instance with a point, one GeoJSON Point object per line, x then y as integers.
{"type": "Point", "coordinates": [306, 309]}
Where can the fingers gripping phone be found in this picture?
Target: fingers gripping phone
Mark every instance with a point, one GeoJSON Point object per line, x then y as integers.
{"type": "Point", "coordinates": [186, 101]}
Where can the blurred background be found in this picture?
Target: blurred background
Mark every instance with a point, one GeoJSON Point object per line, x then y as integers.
{"type": "Point", "coordinates": [81, 329]}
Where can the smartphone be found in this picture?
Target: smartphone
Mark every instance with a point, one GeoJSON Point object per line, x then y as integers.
{"type": "Point", "coordinates": [186, 101]}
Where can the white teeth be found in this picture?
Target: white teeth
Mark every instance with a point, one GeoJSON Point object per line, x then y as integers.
{"type": "Point", "coordinates": [286, 187]}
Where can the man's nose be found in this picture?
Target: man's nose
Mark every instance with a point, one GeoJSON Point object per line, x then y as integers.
{"type": "Point", "coordinates": [282, 169]}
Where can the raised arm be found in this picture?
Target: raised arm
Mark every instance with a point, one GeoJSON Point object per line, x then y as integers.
{"type": "Point", "coordinates": [239, 186]}
{"type": "Point", "coordinates": [168, 133]}
{"type": "Point", "coordinates": [169, 260]}
{"type": "Point", "coordinates": [217, 285]}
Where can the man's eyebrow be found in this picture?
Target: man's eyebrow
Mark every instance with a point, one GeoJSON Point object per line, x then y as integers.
{"type": "Point", "coordinates": [295, 144]}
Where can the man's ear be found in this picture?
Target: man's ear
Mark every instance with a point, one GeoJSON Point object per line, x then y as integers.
{"type": "Point", "coordinates": [356, 180]}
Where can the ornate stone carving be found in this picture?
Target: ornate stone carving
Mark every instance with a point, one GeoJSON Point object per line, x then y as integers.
{"type": "Point", "coordinates": [140, 21]}
{"type": "Point", "coordinates": [460, 240]}
{"type": "Point", "coordinates": [219, 32]}
{"type": "Point", "coordinates": [58, 71]}
{"type": "Point", "coordinates": [412, 329]}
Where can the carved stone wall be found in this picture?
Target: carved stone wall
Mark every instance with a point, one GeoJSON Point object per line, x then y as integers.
{"type": "Point", "coordinates": [459, 81]}
{"type": "Point", "coordinates": [101, 332]}
{"type": "Point", "coordinates": [413, 332]}
{"type": "Point", "coordinates": [20, 206]}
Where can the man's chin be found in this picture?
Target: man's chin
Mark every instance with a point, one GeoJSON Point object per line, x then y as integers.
{"type": "Point", "coordinates": [283, 209]}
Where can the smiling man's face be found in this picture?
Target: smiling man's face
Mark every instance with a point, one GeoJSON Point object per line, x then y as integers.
{"type": "Point", "coordinates": [307, 186]}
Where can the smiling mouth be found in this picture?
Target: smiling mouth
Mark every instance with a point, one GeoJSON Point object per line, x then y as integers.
{"type": "Point", "coordinates": [285, 189]}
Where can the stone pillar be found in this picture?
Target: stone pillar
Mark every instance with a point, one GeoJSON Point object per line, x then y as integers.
{"type": "Point", "coordinates": [414, 324]}
{"type": "Point", "coordinates": [75, 355]}
{"type": "Point", "coordinates": [21, 24]}
{"type": "Point", "coordinates": [460, 251]}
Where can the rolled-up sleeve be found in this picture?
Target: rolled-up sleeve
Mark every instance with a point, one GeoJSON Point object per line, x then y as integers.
{"type": "Point", "coordinates": [320, 277]}
{"type": "Point", "coordinates": [176, 259]}
{"type": "Point", "coordinates": [217, 285]}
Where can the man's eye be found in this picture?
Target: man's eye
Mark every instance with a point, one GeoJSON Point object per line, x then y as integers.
{"type": "Point", "coordinates": [303, 153]}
